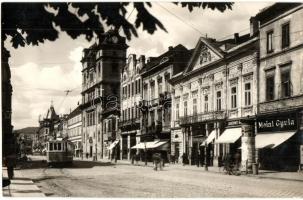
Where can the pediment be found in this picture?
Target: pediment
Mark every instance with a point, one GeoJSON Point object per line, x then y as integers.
{"type": "Point", "coordinates": [204, 54]}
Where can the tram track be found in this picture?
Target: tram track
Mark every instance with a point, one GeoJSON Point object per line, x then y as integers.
{"type": "Point", "coordinates": [53, 181]}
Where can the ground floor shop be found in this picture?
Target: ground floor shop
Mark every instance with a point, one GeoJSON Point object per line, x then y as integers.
{"type": "Point", "coordinates": [279, 139]}
{"type": "Point", "coordinates": [128, 139]}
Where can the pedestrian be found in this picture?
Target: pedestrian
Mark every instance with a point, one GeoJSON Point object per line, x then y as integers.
{"type": "Point", "coordinates": [237, 159]}
{"type": "Point", "coordinates": [184, 159]}
{"type": "Point", "coordinates": [137, 157]}
{"type": "Point", "coordinates": [156, 160]}
{"type": "Point", "coordinates": [197, 160]}
{"type": "Point", "coordinates": [10, 163]}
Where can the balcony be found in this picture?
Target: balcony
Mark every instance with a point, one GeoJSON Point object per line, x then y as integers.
{"type": "Point", "coordinates": [281, 104]}
{"type": "Point", "coordinates": [129, 124]}
{"type": "Point", "coordinates": [202, 117]}
{"type": "Point", "coordinates": [154, 102]}
{"type": "Point", "coordinates": [165, 99]}
{"type": "Point", "coordinates": [143, 105]}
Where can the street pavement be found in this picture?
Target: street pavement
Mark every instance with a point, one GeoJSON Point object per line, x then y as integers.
{"type": "Point", "coordinates": [105, 179]}
{"type": "Point", "coordinates": [20, 186]}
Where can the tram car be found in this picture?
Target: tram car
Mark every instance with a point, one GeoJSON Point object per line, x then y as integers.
{"type": "Point", "coordinates": [59, 153]}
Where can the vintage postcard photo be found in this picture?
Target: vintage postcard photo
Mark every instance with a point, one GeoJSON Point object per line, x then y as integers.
{"type": "Point", "coordinates": [152, 99]}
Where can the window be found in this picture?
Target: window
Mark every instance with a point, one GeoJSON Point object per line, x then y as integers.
{"type": "Point", "coordinates": [195, 106]}
{"type": "Point", "coordinates": [177, 111]}
{"type": "Point", "coordinates": [59, 146]}
{"type": "Point", "coordinates": [152, 117]}
{"type": "Point", "coordinates": [133, 89]}
{"type": "Point", "coordinates": [128, 90]}
{"type": "Point", "coordinates": [159, 86]}
{"type": "Point", "coordinates": [206, 103]}
{"type": "Point", "coordinates": [50, 146]}
{"type": "Point", "coordinates": [270, 38]}
{"type": "Point", "coordinates": [91, 77]}
{"type": "Point", "coordinates": [55, 146]}
{"type": "Point", "coordinates": [152, 90]}
{"type": "Point", "coordinates": [167, 86]}
{"type": "Point", "coordinates": [185, 108]}
{"type": "Point", "coordinates": [285, 36]}
{"type": "Point", "coordinates": [219, 100]}
{"type": "Point", "coordinates": [99, 136]}
{"type": "Point", "coordinates": [234, 97]}
{"type": "Point", "coordinates": [247, 94]}
{"type": "Point", "coordinates": [285, 84]}
{"type": "Point", "coordinates": [270, 88]}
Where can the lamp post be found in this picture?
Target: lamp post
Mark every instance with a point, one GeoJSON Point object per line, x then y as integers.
{"type": "Point", "coordinates": [145, 157]}
{"type": "Point", "coordinates": [205, 156]}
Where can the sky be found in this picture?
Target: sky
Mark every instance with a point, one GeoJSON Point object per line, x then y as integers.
{"type": "Point", "coordinates": [41, 74]}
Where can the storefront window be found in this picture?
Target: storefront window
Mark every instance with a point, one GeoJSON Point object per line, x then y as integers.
{"type": "Point", "coordinates": [177, 111]}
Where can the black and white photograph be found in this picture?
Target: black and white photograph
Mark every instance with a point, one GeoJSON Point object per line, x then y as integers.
{"type": "Point", "coordinates": [153, 99]}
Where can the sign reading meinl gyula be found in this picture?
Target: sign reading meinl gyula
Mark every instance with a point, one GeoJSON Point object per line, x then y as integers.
{"type": "Point", "coordinates": [277, 123]}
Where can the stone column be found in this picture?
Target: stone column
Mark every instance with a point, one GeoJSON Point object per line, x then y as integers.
{"type": "Point", "coordinates": [190, 144]}
{"type": "Point", "coordinates": [216, 146]}
{"type": "Point", "coordinates": [248, 145]}
{"type": "Point", "coordinates": [205, 148]}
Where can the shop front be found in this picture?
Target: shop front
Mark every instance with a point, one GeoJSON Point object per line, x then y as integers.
{"type": "Point", "coordinates": [278, 141]}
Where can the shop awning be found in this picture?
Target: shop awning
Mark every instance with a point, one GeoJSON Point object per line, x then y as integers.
{"type": "Point", "coordinates": [230, 135]}
{"type": "Point", "coordinates": [112, 145]}
{"type": "Point", "coordinates": [142, 145]}
{"type": "Point", "coordinates": [272, 140]}
{"type": "Point", "coordinates": [149, 145]}
{"type": "Point", "coordinates": [210, 138]}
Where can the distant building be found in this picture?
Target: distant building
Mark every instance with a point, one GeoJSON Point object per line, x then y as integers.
{"type": "Point", "coordinates": [60, 127]}
{"type": "Point", "coordinates": [102, 64]}
{"type": "Point", "coordinates": [74, 130]}
{"type": "Point", "coordinates": [46, 127]}
{"type": "Point", "coordinates": [280, 113]}
{"type": "Point", "coordinates": [25, 139]}
{"type": "Point", "coordinates": [131, 88]}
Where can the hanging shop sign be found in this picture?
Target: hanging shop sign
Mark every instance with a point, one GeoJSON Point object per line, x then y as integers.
{"type": "Point", "coordinates": [277, 123]}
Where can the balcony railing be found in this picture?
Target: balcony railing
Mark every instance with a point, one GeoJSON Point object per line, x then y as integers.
{"type": "Point", "coordinates": [130, 122]}
{"type": "Point", "coordinates": [191, 119]}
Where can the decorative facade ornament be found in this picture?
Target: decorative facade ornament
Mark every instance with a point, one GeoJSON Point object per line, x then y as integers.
{"type": "Point", "coordinates": [219, 85]}
{"type": "Point", "coordinates": [233, 81]}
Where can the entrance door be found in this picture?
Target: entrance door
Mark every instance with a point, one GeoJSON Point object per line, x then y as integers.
{"type": "Point", "coordinates": [90, 151]}
{"type": "Point", "coordinates": [177, 150]}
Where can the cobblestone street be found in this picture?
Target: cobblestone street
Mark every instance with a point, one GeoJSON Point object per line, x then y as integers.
{"type": "Point", "coordinates": [95, 179]}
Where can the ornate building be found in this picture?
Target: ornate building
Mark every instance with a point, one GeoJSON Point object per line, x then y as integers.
{"type": "Point", "coordinates": [131, 88]}
{"type": "Point", "coordinates": [155, 105]}
{"type": "Point", "coordinates": [280, 119]}
{"type": "Point", "coordinates": [212, 96]}
{"type": "Point", "coordinates": [102, 64]}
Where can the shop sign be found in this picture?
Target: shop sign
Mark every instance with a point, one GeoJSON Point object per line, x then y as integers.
{"type": "Point", "coordinates": [234, 123]}
{"type": "Point", "coordinates": [277, 123]}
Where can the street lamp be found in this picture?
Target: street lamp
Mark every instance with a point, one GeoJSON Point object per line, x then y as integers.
{"type": "Point", "coordinates": [205, 156]}
{"type": "Point", "coordinates": [145, 156]}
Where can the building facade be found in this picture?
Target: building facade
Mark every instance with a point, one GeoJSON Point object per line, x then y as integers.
{"type": "Point", "coordinates": [279, 123]}
{"type": "Point", "coordinates": [211, 96]}
{"type": "Point", "coordinates": [46, 127]}
{"type": "Point", "coordinates": [102, 64]}
{"type": "Point", "coordinates": [156, 98]}
{"type": "Point", "coordinates": [74, 130]}
{"type": "Point", "coordinates": [131, 89]}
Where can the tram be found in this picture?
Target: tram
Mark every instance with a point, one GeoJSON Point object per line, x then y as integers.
{"type": "Point", "coordinates": [59, 152]}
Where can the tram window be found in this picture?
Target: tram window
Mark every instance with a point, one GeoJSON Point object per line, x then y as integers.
{"type": "Point", "coordinates": [63, 146]}
{"type": "Point", "coordinates": [50, 146]}
{"type": "Point", "coordinates": [55, 146]}
{"type": "Point", "coordinates": [59, 146]}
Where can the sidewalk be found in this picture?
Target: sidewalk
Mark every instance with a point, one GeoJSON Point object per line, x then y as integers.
{"type": "Point", "coordinates": [290, 176]}
{"type": "Point", "coordinates": [20, 186]}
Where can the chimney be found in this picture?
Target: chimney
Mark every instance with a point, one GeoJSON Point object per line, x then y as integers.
{"type": "Point", "coordinates": [170, 48]}
{"type": "Point", "coordinates": [142, 59]}
{"type": "Point", "coordinates": [254, 26]}
{"type": "Point", "coordinates": [236, 38]}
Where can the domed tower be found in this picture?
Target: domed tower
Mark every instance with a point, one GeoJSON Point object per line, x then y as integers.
{"type": "Point", "coordinates": [102, 64]}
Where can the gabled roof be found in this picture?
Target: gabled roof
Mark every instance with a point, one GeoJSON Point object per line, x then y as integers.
{"type": "Point", "coordinates": [75, 112]}
{"type": "Point", "coordinates": [209, 42]}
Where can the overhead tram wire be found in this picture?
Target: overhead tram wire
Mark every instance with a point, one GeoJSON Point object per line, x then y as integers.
{"type": "Point", "coordinates": [179, 18]}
